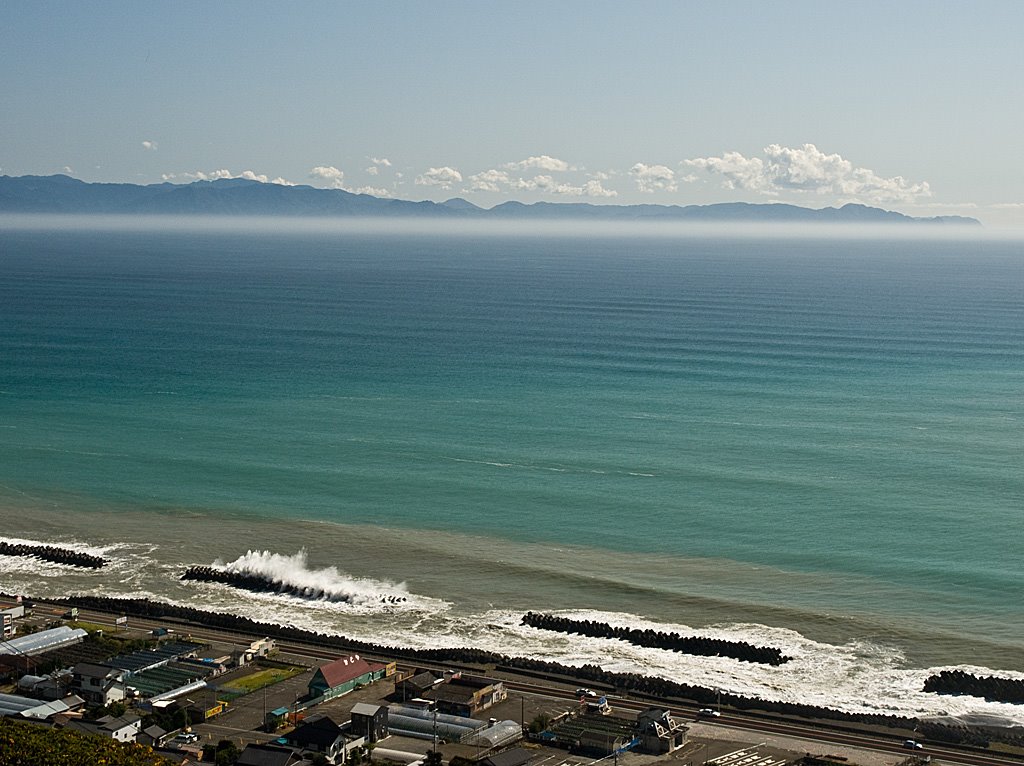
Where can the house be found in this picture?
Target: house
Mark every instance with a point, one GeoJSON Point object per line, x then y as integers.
{"type": "Point", "coordinates": [343, 675]}
{"type": "Point", "coordinates": [154, 736]}
{"type": "Point", "coordinates": [124, 728]}
{"type": "Point", "coordinates": [319, 735]}
{"type": "Point", "coordinates": [268, 755]}
{"type": "Point", "coordinates": [467, 695]}
{"type": "Point", "coordinates": [98, 684]}
{"type": "Point", "coordinates": [370, 721]}
{"type": "Point", "coordinates": [52, 687]}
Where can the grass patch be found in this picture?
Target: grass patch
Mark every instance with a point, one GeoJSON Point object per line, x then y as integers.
{"type": "Point", "coordinates": [268, 677]}
{"type": "Point", "coordinates": [91, 627]}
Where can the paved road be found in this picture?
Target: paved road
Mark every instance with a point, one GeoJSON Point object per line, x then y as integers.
{"type": "Point", "coordinates": [799, 738]}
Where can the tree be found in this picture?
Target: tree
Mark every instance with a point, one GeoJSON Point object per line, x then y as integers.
{"type": "Point", "coordinates": [433, 758]}
{"type": "Point", "coordinates": [540, 723]}
{"type": "Point", "coordinates": [227, 753]}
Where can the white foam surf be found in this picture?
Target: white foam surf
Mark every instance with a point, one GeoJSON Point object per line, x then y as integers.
{"type": "Point", "coordinates": [327, 583]}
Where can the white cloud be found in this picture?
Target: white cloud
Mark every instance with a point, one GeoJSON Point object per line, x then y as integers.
{"type": "Point", "coordinates": [250, 175]}
{"type": "Point", "coordinates": [593, 188]}
{"type": "Point", "coordinates": [547, 185]}
{"type": "Point", "coordinates": [738, 172]}
{"type": "Point", "coordinates": [443, 177]}
{"type": "Point", "coordinates": [652, 178]}
{"type": "Point", "coordinates": [543, 162]}
{"type": "Point", "coordinates": [67, 169]}
{"type": "Point", "coordinates": [329, 173]}
{"type": "Point", "coordinates": [1007, 205]}
{"type": "Point", "coordinates": [807, 170]}
{"type": "Point", "coordinates": [150, 145]}
{"type": "Point", "coordinates": [495, 180]}
{"type": "Point", "coordinates": [376, 191]}
{"type": "Point", "coordinates": [376, 164]}
{"type": "Point", "coordinates": [216, 175]}
{"type": "Point", "coordinates": [489, 180]}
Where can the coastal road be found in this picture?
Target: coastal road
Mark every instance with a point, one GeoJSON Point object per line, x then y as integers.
{"type": "Point", "coordinates": [809, 738]}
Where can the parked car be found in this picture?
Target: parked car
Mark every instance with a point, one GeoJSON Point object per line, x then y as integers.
{"type": "Point", "coordinates": [708, 712]}
{"type": "Point", "coordinates": [586, 693]}
{"type": "Point", "coordinates": [913, 744]}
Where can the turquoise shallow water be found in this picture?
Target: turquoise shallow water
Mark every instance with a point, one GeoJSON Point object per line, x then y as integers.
{"type": "Point", "coordinates": [844, 411]}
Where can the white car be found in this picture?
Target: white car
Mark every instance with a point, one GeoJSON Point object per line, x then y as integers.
{"type": "Point", "coordinates": [706, 711]}
{"type": "Point", "coordinates": [586, 693]}
{"type": "Point", "coordinates": [913, 744]}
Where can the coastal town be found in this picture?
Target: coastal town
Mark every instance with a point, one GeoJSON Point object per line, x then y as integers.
{"type": "Point", "coordinates": [177, 691]}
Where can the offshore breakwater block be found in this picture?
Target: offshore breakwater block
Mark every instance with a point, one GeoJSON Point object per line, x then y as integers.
{"type": "Point", "coordinates": [696, 645]}
{"type": "Point", "coordinates": [991, 688]}
{"type": "Point", "coordinates": [259, 583]}
{"type": "Point", "coordinates": [655, 686]}
{"type": "Point", "coordinates": [53, 554]}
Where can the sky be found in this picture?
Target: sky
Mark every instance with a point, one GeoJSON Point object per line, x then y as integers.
{"type": "Point", "coordinates": [911, 106]}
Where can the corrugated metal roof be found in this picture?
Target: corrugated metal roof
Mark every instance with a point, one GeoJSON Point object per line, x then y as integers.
{"type": "Point", "coordinates": [43, 641]}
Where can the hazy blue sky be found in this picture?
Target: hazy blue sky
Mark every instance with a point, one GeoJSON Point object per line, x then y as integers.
{"type": "Point", "coordinates": [915, 106]}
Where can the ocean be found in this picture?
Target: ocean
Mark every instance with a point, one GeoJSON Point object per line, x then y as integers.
{"type": "Point", "coordinates": [812, 442]}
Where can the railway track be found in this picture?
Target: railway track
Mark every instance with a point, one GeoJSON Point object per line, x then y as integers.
{"type": "Point", "coordinates": [820, 734]}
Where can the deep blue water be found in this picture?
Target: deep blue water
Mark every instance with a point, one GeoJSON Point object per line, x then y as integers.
{"type": "Point", "coordinates": [834, 407]}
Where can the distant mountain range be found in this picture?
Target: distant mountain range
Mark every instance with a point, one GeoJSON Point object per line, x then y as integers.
{"type": "Point", "coordinates": [237, 196]}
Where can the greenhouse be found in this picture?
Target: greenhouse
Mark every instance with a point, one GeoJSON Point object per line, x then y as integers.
{"type": "Point", "coordinates": [419, 723]}
{"type": "Point", "coordinates": [497, 735]}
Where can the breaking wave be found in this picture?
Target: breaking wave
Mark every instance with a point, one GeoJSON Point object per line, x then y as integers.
{"type": "Point", "coordinates": [291, 575]}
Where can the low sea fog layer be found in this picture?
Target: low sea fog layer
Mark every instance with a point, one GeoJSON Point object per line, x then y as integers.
{"type": "Point", "coordinates": [809, 444]}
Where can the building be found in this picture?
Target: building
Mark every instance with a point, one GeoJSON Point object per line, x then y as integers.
{"type": "Point", "coordinates": [154, 736]}
{"type": "Point", "coordinates": [467, 695]}
{"type": "Point", "coordinates": [124, 729]}
{"type": "Point", "coordinates": [415, 686]}
{"type": "Point", "coordinates": [44, 641]}
{"type": "Point", "coordinates": [98, 684]}
{"type": "Point", "coordinates": [516, 756]}
{"type": "Point", "coordinates": [370, 721]}
{"type": "Point", "coordinates": [268, 755]}
{"type": "Point", "coordinates": [343, 675]}
{"type": "Point", "coordinates": [659, 732]}
{"type": "Point", "coordinates": [8, 614]}
{"type": "Point", "coordinates": [319, 735]}
{"type": "Point", "coordinates": [259, 648]}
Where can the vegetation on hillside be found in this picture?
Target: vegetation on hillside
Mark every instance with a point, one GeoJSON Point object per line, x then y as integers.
{"type": "Point", "coordinates": [27, 744]}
